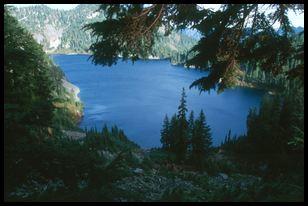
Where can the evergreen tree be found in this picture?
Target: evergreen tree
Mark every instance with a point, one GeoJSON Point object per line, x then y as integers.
{"type": "Point", "coordinates": [228, 143]}
{"type": "Point", "coordinates": [30, 79]}
{"type": "Point", "coordinates": [229, 135]}
{"type": "Point", "coordinates": [165, 134]}
{"type": "Point", "coordinates": [182, 109]}
{"type": "Point", "coordinates": [105, 131]}
{"type": "Point", "coordinates": [174, 133]}
{"type": "Point", "coordinates": [273, 132]}
{"type": "Point", "coordinates": [115, 131]}
{"type": "Point", "coordinates": [201, 141]}
{"type": "Point", "coordinates": [191, 124]}
{"type": "Point", "coordinates": [227, 138]}
{"type": "Point", "coordinates": [182, 138]}
{"type": "Point", "coordinates": [227, 39]}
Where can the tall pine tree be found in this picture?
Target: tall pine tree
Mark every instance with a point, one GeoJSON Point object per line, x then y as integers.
{"type": "Point", "coordinates": [191, 124]}
{"type": "Point", "coordinates": [201, 141]}
{"type": "Point", "coordinates": [182, 109]}
{"type": "Point", "coordinates": [165, 134]}
{"type": "Point", "coordinates": [173, 133]}
{"type": "Point", "coordinates": [181, 139]}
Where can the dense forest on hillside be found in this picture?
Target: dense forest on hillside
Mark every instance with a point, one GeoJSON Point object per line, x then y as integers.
{"type": "Point", "coordinates": [62, 31]}
{"type": "Point", "coordinates": [48, 158]}
{"type": "Point", "coordinates": [58, 30]}
{"type": "Point", "coordinates": [254, 75]}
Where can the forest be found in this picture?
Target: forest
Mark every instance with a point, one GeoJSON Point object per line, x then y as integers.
{"type": "Point", "coordinates": [42, 162]}
{"type": "Point", "coordinates": [61, 31]}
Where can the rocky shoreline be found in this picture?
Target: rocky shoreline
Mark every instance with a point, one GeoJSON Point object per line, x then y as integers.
{"type": "Point", "coordinates": [72, 89]}
{"type": "Point", "coordinates": [76, 108]}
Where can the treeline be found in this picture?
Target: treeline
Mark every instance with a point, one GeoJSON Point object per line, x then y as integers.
{"type": "Point", "coordinates": [42, 162]}
{"type": "Point", "coordinates": [275, 134]}
{"type": "Point", "coordinates": [45, 24]}
{"type": "Point", "coordinates": [255, 74]}
{"type": "Point", "coordinates": [176, 46]}
{"type": "Point", "coordinates": [32, 88]}
{"type": "Point", "coordinates": [32, 82]}
{"type": "Point", "coordinates": [114, 140]}
{"type": "Point", "coordinates": [189, 139]}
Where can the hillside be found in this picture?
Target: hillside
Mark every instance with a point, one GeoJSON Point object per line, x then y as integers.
{"type": "Point", "coordinates": [48, 158]}
{"type": "Point", "coordinates": [60, 31]}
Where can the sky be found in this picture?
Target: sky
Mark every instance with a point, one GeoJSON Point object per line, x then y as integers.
{"type": "Point", "coordinates": [296, 19]}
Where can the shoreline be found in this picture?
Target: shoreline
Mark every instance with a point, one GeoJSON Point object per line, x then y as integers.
{"type": "Point", "coordinates": [243, 84]}
{"type": "Point", "coordinates": [149, 58]}
{"type": "Point", "coordinates": [72, 89]}
{"type": "Point", "coordinates": [77, 107]}
{"type": "Point", "coordinates": [254, 85]}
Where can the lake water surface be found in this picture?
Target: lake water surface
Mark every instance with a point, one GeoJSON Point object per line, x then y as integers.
{"type": "Point", "coordinates": [136, 97]}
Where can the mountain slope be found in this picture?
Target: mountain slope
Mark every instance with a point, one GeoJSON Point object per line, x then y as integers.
{"type": "Point", "coordinates": [61, 31]}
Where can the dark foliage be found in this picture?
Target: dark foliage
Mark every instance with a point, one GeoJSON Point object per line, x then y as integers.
{"type": "Point", "coordinates": [188, 139]}
{"type": "Point", "coordinates": [130, 30]}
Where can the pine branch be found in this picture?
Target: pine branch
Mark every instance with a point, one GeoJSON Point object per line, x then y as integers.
{"type": "Point", "coordinates": [146, 11]}
{"type": "Point", "coordinates": [158, 16]}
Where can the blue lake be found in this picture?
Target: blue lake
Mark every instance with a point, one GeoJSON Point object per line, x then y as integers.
{"type": "Point", "coordinates": [136, 97]}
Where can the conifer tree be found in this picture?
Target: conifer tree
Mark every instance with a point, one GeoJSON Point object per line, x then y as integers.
{"type": "Point", "coordinates": [182, 138]}
{"type": "Point", "coordinates": [165, 134]}
{"type": "Point", "coordinates": [191, 123]}
{"type": "Point", "coordinates": [227, 40]}
{"type": "Point", "coordinates": [105, 131]}
{"type": "Point", "coordinates": [105, 135]}
{"type": "Point", "coordinates": [173, 132]}
{"type": "Point", "coordinates": [182, 109]}
{"type": "Point", "coordinates": [201, 141]}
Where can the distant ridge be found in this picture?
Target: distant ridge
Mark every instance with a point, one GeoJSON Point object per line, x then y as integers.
{"type": "Point", "coordinates": [60, 31]}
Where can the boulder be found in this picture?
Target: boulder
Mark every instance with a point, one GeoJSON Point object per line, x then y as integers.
{"type": "Point", "coordinates": [138, 171]}
{"type": "Point", "coordinates": [223, 176]}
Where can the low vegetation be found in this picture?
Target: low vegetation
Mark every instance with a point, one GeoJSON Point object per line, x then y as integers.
{"type": "Point", "coordinates": [47, 158]}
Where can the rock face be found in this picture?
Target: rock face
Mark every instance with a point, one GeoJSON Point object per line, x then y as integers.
{"type": "Point", "coordinates": [73, 105]}
{"type": "Point", "coordinates": [59, 30]}
{"type": "Point", "coordinates": [223, 176]}
{"type": "Point", "coordinates": [71, 88]}
{"type": "Point", "coordinates": [138, 171]}
{"type": "Point", "coordinates": [74, 134]}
